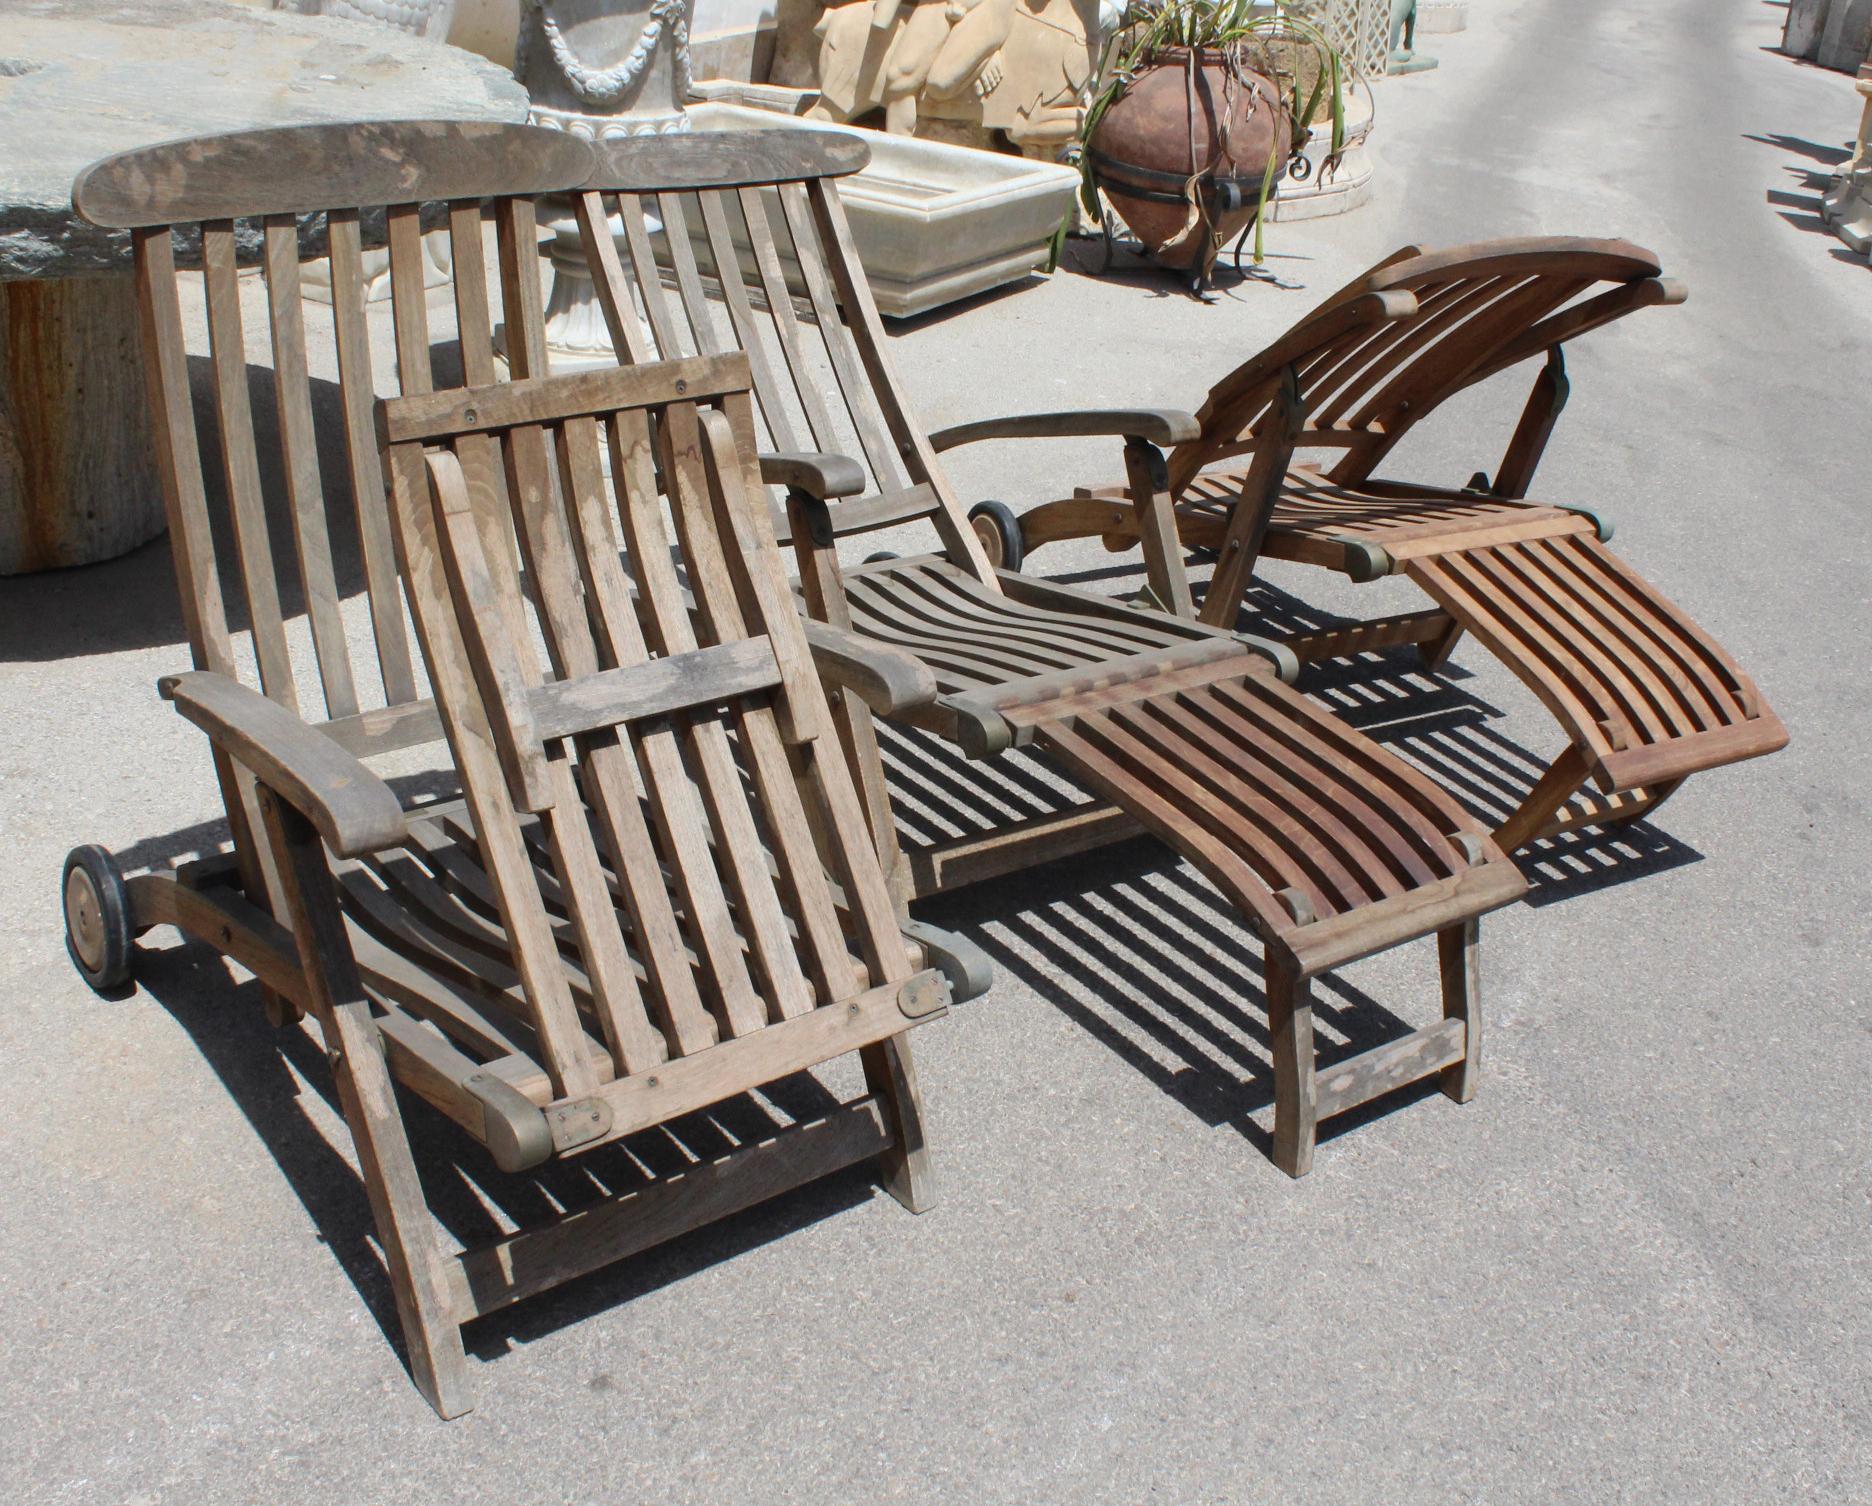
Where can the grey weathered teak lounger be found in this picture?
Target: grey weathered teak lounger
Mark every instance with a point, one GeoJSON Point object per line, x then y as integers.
{"type": "Point", "coordinates": [656, 888]}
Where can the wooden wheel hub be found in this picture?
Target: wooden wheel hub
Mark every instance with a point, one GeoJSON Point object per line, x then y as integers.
{"type": "Point", "coordinates": [84, 918]}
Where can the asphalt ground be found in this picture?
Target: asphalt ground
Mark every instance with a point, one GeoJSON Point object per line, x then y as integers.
{"type": "Point", "coordinates": [1635, 1268]}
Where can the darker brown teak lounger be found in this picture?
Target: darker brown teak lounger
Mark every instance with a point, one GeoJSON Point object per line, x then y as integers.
{"type": "Point", "coordinates": [1644, 695]}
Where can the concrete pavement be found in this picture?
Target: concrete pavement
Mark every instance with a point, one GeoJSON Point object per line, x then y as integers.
{"type": "Point", "coordinates": [1634, 1269]}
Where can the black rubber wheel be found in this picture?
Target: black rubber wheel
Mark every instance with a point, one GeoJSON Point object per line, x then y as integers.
{"type": "Point", "coordinates": [881, 557]}
{"type": "Point", "coordinates": [97, 918]}
{"type": "Point", "coordinates": [1000, 534]}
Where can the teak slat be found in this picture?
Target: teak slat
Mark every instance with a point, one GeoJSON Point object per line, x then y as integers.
{"type": "Point", "coordinates": [241, 464]}
{"type": "Point", "coordinates": [292, 394]}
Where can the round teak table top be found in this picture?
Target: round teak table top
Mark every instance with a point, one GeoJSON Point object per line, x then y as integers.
{"type": "Point", "coordinates": [82, 79]}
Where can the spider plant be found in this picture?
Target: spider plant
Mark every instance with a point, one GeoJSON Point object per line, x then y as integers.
{"type": "Point", "coordinates": [1248, 34]}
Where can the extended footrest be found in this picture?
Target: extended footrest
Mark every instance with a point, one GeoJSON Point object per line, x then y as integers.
{"type": "Point", "coordinates": [1332, 847]}
{"type": "Point", "coordinates": [1645, 694]}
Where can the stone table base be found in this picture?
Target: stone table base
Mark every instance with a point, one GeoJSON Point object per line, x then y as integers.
{"type": "Point", "coordinates": [77, 475]}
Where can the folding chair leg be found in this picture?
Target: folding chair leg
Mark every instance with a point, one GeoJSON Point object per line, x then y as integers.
{"type": "Point", "coordinates": [908, 1174]}
{"type": "Point", "coordinates": [1296, 1093]}
{"type": "Point", "coordinates": [1156, 515]}
{"type": "Point", "coordinates": [1564, 775]}
{"type": "Point", "coordinates": [438, 1363]}
{"type": "Point", "coordinates": [1437, 651]}
{"type": "Point", "coordinates": [1459, 955]}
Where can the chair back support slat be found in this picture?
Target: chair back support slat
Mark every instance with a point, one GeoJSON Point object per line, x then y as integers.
{"type": "Point", "coordinates": [370, 508]}
{"type": "Point", "coordinates": [1365, 381]}
{"type": "Point", "coordinates": [716, 820]}
{"type": "Point", "coordinates": [649, 285]}
{"type": "Point", "coordinates": [748, 333]}
{"type": "Point", "coordinates": [787, 329]}
{"type": "Point", "coordinates": [305, 492]}
{"type": "Point", "coordinates": [178, 451]}
{"type": "Point", "coordinates": [253, 543]}
{"type": "Point", "coordinates": [702, 335]}
{"type": "Point", "coordinates": [859, 403]}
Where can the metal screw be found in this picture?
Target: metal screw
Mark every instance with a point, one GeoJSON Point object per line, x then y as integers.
{"type": "Point", "coordinates": [471, 415]}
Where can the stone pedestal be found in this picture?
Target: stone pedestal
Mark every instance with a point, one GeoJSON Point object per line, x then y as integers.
{"type": "Point", "coordinates": [1440, 17]}
{"type": "Point", "coordinates": [80, 80]}
{"type": "Point", "coordinates": [76, 482]}
{"type": "Point", "coordinates": [1847, 203]}
{"type": "Point", "coordinates": [1832, 33]}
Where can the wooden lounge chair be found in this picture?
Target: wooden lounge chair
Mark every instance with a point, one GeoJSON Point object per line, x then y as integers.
{"type": "Point", "coordinates": [1330, 848]}
{"type": "Point", "coordinates": [1644, 695]}
{"type": "Point", "coordinates": [547, 961]}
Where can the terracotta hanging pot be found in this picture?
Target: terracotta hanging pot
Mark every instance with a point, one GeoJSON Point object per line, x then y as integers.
{"type": "Point", "coordinates": [1217, 121]}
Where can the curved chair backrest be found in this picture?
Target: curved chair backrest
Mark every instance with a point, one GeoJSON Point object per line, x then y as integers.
{"type": "Point", "coordinates": [754, 238]}
{"type": "Point", "coordinates": [276, 196]}
{"type": "Point", "coordinates": [1385, 350]}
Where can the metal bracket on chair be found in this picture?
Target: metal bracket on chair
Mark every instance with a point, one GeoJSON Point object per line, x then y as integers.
{"type": "Point", "coordinates": [513, 1128]}
{"type": "Point", "coordinates": [579, 1122]}
{"type": "Point", "coordinates": [1366, 562]}
{"type": "Point", "coordinates": [924, 995]}
{"type": "Point", "coordinates": [1298, 906]}
{"type": "Point", "coordinates": [958, 959]}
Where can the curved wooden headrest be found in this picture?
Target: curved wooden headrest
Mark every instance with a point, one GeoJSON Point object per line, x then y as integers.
{"type": "Point", "coordinates": [293, 169]}
{"type": "Point", "coordinates": [725, 159]}
{"type": "Point", "coordinates": [1523, 255]}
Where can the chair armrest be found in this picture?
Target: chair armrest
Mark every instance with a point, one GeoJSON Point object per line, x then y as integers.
{"type": "Point", "coordinates": [886, 679]}
{"type": "Point", "coordinates": [355, 811]}
{"type": "Point", "coordinates": [1160, 426]}
{"type": "Point", "coordinates": [815, 473]}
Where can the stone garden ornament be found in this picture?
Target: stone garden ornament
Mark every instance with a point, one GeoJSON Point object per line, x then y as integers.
{"type": "Point", "coordinates": [602, 70]}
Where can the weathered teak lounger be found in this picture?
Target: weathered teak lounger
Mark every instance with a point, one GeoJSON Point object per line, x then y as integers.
{"type": "Point", "coordinates": [1330, 848]}
{"type": "Point", "coordinates": [550, 961]}
{"type": "Point", "coordinates": [1645, 696]}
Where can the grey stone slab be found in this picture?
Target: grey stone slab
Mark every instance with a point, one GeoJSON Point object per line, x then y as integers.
{"type": "Point", "coordinates": [81, 79]}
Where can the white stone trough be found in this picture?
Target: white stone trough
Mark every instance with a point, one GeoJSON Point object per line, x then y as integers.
{"type": "Point", "coordinates": [932, 222]}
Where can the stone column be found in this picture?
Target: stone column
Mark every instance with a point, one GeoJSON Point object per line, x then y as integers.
{"type": "Point", "coordinates": [76, 483]}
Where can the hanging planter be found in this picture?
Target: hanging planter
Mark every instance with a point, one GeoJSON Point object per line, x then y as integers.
{"type": "Point", "coordinates": [1199, 107]}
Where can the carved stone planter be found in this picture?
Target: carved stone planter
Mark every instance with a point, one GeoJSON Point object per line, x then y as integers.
{"type": "Point", "coordinates": [933, 222]}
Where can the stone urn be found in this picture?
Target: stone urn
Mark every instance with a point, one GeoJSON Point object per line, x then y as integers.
{"type": "Point", "coordinates": [1182, 153]}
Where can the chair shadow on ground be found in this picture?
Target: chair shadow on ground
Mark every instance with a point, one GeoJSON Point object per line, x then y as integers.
{"type": "Point", "coordinates": [279, 1080]}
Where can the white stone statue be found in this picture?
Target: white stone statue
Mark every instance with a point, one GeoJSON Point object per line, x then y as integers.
{"type": "Point", "coordinates": [603, 70]}
{"type": "Point", "coordinates": [1847, 203]}
{"type": "Point", "coordinates": [960, 70]}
